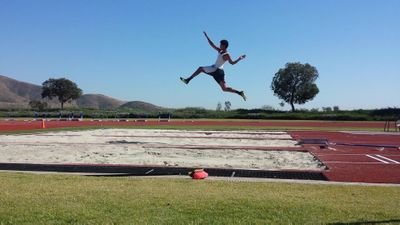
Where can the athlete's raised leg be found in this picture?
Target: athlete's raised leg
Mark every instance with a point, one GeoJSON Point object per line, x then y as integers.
{"type": "Point", "coordinates": [195, 73]}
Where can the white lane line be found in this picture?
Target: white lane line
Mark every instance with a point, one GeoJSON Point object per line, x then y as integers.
{"type": "Point", "coordinates": [354, 163]}
{"type": "Point", "coordinates": [346, 154]}
{"type": "Point", "coordinates": [378, 159]}
{"type": "Point", "coordinates": [388, 159]}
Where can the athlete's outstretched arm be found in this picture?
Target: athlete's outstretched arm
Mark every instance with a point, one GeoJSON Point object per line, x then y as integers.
{"type": "Point", "coordinates": [211, 43]}
{"type": "Point", "coordinates": [227, 57]}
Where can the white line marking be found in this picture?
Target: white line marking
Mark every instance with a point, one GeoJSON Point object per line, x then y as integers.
{"type": "Point", "coordinates": [354, 163]}
{"type": "Point", "coordinates": [388, 159]}
{"type": "Point", "coordinates": [380, 160]}
{"type": "Point", "coordinates": [149, 171]}
{"type": "Point", "coordinates": [344, 154]}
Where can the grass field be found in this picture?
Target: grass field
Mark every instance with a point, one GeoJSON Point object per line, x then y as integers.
{"type": "Point", "coordinates": [68, 199]}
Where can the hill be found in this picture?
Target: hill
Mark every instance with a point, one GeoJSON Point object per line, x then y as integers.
{"type": "Point", "coordinates": [140, 106]}
{"type": "Point", "coordinates": [16, 94]}
{"type": "Point", "coordinates": [98, 101]}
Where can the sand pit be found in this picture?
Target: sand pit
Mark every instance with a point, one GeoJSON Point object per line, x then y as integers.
{"type": "Point", "coordinates": [216, 149]}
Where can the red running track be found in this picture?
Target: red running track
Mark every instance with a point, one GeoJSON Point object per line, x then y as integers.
{"type": "Point", "coordinates": [356, 157]}
{"type": "Point", "coordinates": [350, 157]}
{"type": "Point", "coordinates": [32, 125]}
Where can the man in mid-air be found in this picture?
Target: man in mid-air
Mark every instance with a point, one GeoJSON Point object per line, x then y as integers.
{"type": "Point", "coordinates": [216, 70]}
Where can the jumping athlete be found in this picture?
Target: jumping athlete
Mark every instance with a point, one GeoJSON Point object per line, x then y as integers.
{"type": "Point", "coordinates": [216, 70]}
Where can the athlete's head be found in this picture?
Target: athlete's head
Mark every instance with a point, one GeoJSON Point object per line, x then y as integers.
{"type": "Point", "coordinates": [224, 44]}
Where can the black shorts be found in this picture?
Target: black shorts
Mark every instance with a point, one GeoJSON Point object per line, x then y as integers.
{"type": "Point", "coordinates": [219, 75]}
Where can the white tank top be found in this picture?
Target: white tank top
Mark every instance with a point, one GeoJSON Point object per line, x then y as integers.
{"type": "Point", "coordinates": [219, 63]}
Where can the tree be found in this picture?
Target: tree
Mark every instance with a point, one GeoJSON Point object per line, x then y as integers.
{"type": "Point", "coordinates": [228, 105]}
{"type": "Point", "coordinates": [38, 105]}
{"type": "Point", "coordinates": [219, 106]}
{"type": "Point", "coordinates": [314, 110]}
{"type": "Point", "coordinates": [327, 109]}
{"type": "Point", "coordinates": [294, 84]}
{"type": "Point", "coordinates": [336, 108]}
{"type": "Point", "coordinates": [267, 108]}
{"type": "Point", "coordinates": [62, 88]}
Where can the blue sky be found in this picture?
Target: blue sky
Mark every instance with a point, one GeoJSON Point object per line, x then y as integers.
{"type": "Point", "coordinates": [136, 50]}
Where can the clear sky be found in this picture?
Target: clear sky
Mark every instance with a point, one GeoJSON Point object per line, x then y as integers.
{"type": "Point", "coordinates": [136, 50]}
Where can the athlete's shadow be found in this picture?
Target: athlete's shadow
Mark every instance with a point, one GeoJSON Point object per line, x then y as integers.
{"type": "Point", "coordinates": [367, 222]}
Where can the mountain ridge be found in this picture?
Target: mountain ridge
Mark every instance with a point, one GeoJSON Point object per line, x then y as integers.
{"type": "Point", "coordinates": [17, 94]}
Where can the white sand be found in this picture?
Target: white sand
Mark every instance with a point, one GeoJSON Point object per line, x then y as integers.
{"type": "Point", "coordinates": [157, 147]}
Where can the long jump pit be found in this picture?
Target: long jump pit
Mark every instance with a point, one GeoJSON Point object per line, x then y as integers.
{"type": "Point", "coordinates": [151, 152]}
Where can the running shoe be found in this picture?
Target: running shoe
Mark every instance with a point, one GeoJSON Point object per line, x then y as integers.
{"type": "Point", "coordinates": [243, 96]}
{"type": "Point", "coordinates": [184, 80]}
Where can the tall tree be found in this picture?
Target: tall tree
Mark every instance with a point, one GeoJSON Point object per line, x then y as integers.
{"type": "Point", "coordinates": [228, 105]}
{"type": "Point", "coordinates": [64, 89]}
{"type": "Point", "coordinates": [219, 106]}
{"type": "Point", "coordinates": [295, 84]}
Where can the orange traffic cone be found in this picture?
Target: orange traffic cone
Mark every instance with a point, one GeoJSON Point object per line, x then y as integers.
{"type": "Point", "coordinates": [43, 125]}
{"type": "Point", "coordinates": [198, 174]}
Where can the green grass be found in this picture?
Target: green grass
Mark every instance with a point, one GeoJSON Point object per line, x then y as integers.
{"type": "Point", "coordinates": [66, 199]}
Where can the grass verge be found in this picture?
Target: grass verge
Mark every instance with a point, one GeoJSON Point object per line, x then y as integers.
{"type": "Point", "coordinates": [66, 199]}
